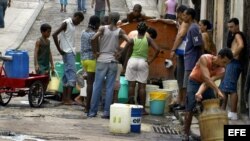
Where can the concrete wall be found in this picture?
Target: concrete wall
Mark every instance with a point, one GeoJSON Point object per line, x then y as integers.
{"type": "Point", "coordinates": [237, 11]}
{"type": "Point", "coordinates": [218, 23]}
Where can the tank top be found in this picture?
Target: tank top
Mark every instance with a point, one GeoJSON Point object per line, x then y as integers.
{"type": "Point", "coordinates": [67, 37]}
{"type": "Point", "coordinates": [109, 43]}
{"type": "Point", "coordinates": [196, 72]}
{"type": "Point", "coordinates": [44, 54]}
{"type": "Point", "coordinates": [140, 48]}
{"type": "Point", "coordinates": [170, 4]}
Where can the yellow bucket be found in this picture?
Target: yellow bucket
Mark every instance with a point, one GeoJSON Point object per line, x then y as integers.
{"type": "Point", "coordinates": [157, 95]}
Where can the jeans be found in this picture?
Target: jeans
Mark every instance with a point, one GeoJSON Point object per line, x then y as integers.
{"type": "Point", "coordinates": [81, 5]}
{"type": "Point", "coordinates": [232, 73]}
{"type": "Point", "coordinates": [192, 88]}
{"type": "Point", "coordinates": [69, 76]}
{"type": "Point", "coordinates": [3, 6]}
{"type": "Point", "coordinates": [100, 14]}
{"type": "Point", "coordinates": [108, 71]}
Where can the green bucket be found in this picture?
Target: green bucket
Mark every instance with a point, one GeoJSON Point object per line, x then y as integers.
{"type": "Point", "coordinates": [123, 91]}
{"type": "Point", "coordinates": [59, 67]}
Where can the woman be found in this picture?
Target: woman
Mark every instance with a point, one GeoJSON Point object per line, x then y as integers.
{"type": "Point", "coordinates": [138, 64]}
{"type": "Point", "coordinates": [87, 57]}
{"type": "Point", "coordinates": [208, 44]}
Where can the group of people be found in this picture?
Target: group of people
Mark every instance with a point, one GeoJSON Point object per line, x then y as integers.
{"type": "Point", "coordinates": [199, 65]}
{"type": "Point", "coordinates": [100, 57]}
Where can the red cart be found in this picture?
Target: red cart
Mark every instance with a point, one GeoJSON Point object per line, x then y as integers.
{"type": "Point", "coordinates": [35, 86]}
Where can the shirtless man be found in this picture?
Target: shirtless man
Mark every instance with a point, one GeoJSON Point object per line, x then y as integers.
{"type": "Point", "coordinates": [237, 43]}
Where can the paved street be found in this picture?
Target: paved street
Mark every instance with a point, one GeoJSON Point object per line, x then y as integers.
{"type": "Point", "coordinates": [57, 122]}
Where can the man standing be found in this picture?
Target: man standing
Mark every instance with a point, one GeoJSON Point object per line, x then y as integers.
{"type": "Point", "coordinates": [106, 66]}
{"type": "Point", "coordinates": [67, 50]}
{"type": "Point", "coordinates": [192, 53]}
{"type": "Point", "coordinates": [201, 82]}
{"type": "Point", "coordinates": [100, 6]}
{"type": "Point", "coordinates": [3, 6]}
{"type": "Point", "coordinates": [237, 43]}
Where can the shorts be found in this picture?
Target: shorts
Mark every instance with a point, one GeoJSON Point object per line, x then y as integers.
{"type": "Point", "coordinates": [64, 2]}
{"type": "Point", "coordinates": [186, 78]}
{"type": "Point", "coordinates": [192, 89]}
{"type": "Point", "coordinates": [69, 76]}
{"type": "Point", "coordinates": [170, 16]}
{"type": "Point", "coordinates": [180, 71]}
{"type": "Point", "coordinates": [89, 65]}
{"type": "Point", "coordinates": [230, 80]}
{"type": "Point", "coordinates": [137, 70]}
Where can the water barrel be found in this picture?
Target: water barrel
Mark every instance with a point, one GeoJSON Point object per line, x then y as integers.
{"type": "Point", "coordinates": [136, 114]}
{"type": "Point", "coordinates": [119, 122]}
{"type": "Point", "coordinates": [157, 102]}
{"type": "Point", "coordinates": [123, 91]}
{"type": "Point", "coordinates": [18, 67]}
{"type": "Point", "coordinates": [212, 118]}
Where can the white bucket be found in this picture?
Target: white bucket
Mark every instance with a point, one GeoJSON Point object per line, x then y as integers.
{"type": "Point", "coordinates": [120, 121]}
{"type": "Point", "coordinates": [172, 86]}
{"type": "Point", "coordinates": [168, 99]}
{"type": "Point", "coordinates": [150, 88]}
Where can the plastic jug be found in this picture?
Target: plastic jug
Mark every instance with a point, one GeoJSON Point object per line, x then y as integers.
{"type": "Point", "coordinates": [119, 121]}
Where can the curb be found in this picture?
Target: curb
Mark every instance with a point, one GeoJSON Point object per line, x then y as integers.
{"type": "Point", "coordinates": [24, 32]}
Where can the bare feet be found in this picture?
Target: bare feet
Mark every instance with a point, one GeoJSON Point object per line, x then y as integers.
{"type": "Point", "coordinates": [68, 102]}
{"type": "Point", "coordinates": [65, 10]}
{"type": "Point", "coordinates": [79, 100]}
{"type": "Point", "coordinates": [61, 10]}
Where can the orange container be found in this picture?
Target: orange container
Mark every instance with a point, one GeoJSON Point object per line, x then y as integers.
{"type": "Point", "coordinates": [165, 40]}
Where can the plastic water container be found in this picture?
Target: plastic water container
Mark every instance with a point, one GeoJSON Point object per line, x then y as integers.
{"type": "Point", "coordinates": [172, 85]}
{"type": "Point", "coordinates": [150, 88]}
{"type": "Point", "coordinates": [18, 67]}
{"type": "Point", "coordinates": [136, 114]}
{"type": "Point", "coordinates": [123, 91]}
{"type": "Point", "coordinates": [59, 67]}
{"type": "Point", "coordinates": [168, 99]}
{"type": "Point", "coordinates": [119, 122]}
{"type": "Point", "coordinates": [157, 102]}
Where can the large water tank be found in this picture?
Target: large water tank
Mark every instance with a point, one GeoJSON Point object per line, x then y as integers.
{"type": "Point", "coordinates": [18, 67]}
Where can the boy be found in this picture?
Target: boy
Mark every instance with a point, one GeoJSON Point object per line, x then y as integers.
{"type": "Point", "coordinates": [67, 50]}
{"type": "Point", "coordinates": [136, 15]}
{"type": "Point", "coordinates": [42, 54]}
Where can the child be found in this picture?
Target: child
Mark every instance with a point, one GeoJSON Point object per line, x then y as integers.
{"type": "Point", "coordinates": [42, 55]}
{"type": "Point", "coordinates": [67, 50]}
{"type": "Point", "coordinates": [100, 7]}
{"type": "Point", "coordinates": [63, 5]}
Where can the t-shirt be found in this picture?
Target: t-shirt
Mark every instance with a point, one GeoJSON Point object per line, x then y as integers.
{"type": "Point", "coordinates": [193, 48]}
{"type": "Point", "coordinates": [86, 48]}
{"type": "Point", "coordinates": [100, 5]}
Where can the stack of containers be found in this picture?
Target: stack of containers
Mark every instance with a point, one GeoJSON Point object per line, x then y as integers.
{"type": "Point", "coordinates": [172, 87]}
{"type": "Point", "coordinates": [149, 88]}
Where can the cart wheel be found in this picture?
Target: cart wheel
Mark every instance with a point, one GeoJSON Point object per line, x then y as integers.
{"type": "Point", "coordinates": [5, 98]}
{"type": "Point", "coordinates": [36, 94]}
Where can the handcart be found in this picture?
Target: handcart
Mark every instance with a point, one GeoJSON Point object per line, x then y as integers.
{"type": "Point", "coordinates": [34, 85]}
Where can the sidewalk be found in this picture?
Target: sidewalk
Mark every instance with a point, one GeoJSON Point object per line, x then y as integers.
{"type": "Point", "coordinates": [18, 21]}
